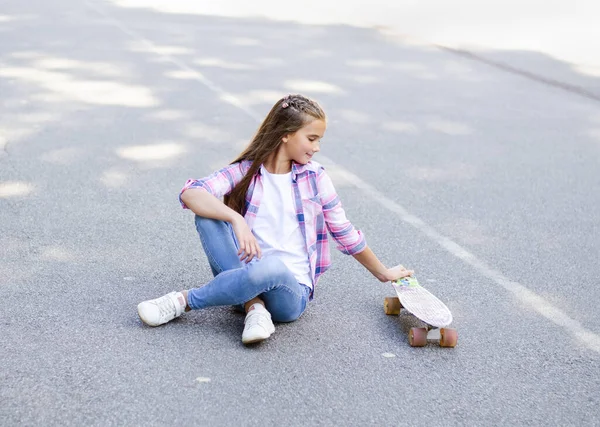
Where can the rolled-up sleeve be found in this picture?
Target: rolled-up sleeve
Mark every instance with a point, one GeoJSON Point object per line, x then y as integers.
{"type": "Point", "coordinates": [349, 240]}
{"type": "Point", "coordinates": [219, 184]}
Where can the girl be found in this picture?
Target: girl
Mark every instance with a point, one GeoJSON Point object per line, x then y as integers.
{"type": "Point", "coordinates": [267, 241]}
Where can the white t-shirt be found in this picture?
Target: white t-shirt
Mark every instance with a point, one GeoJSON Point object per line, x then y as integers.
{"type": "Point", "coordinates": [276, 226]}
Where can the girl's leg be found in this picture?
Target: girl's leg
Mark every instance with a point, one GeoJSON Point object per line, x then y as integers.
{"type": "Point", "coordinates": [267, 278]}
{"type": "Point", "coordinates": [220, 246]}
{"type": "Point", "coordinates": [219, 243]}
{"type": "Point", "coordinates": [235, 283]}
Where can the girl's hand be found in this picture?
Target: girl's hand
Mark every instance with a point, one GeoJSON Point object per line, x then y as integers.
{"type": "Point", "coordinates": [396, 273]}
{"type": "Point", "coordinates": [249, 247]}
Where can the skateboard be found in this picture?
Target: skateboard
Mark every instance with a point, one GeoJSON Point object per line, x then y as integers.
{"type": "Point", "coordinates": [426, 307]}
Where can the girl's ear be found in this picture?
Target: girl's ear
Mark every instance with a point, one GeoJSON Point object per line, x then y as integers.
{"type": "Point", "coordinates": [285, 139]}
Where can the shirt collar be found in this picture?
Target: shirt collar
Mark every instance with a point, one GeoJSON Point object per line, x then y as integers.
{"type": "Point", "coordinates": [297, 169]}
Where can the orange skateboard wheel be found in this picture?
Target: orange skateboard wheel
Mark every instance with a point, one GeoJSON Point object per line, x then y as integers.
{"type": "Point", "coordinates": [417, 337]}
{"type": "Point", "coordinates": [391, 305]}
{"type": "Point", "coordinates": [448, 337]}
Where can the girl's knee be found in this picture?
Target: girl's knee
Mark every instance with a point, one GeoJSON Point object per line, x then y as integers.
{"type": "Point", "coordinates": [269, 269]}
{"type": "Point", "coordinates": [210, 227]}
{"type": "Point", "coordinates": [285, 316]}
{"type": "Point", "coordinates": [202, 222]}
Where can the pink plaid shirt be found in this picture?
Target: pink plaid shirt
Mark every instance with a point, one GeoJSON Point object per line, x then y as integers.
{"type": "Point", "coordinates": [318, 208]}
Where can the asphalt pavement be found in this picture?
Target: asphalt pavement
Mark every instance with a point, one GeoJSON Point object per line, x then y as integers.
{"type": "Point", "coordinates": [484, 181]}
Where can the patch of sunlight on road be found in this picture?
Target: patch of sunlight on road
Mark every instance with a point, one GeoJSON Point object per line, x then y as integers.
{"type": "Point", "coordinates": [66, 87]}
{"type": "Point", "coordinates": [366, 63]}
{"type": "Point", "coordinates": [3, 142]}
{"type": "Point", "coordinates": [255, 97]}
{"type": "Point", "coordinates": [312, 86]}
{"type": "Point", "coordinates": [113, 178]}
{"type": "Point", "coordinates": [270, 62]}
{"type": "Point", "coordinates": [143, 153]}
{"type": "Point", "coordinates": [101, 68]}
{"type": "Point", "coordinates": [245, 41]}
{"type": "Point", "coordinates": [182, 75]}
{"type": "Point", "coordinates": [15, 189]}
{"type": "Point", "coordinates": [449, 127]}
{"type": "Point", "coordinates": [141, 47]}
{"type": "Point", "coordinates": [220, 63]}
{"type": "Point", "coordinates": [26, 54]}
{"type": "Point", "coordinates": [169, 115]}
{"type": "Point", "coordinates": [56, 253]}
{"type": "Point", "coordinates": [401, 127]}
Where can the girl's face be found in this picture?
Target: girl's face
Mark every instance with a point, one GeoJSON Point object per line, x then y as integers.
{"type": "Point", "coordinates": [301, 145]}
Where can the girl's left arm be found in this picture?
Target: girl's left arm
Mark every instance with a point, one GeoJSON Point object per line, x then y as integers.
{"type": "Point", "coordinates": [351, 241]}
{"type": "Point", "coordinates": [370, 261]}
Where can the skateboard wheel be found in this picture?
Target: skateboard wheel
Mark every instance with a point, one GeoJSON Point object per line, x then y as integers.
{"type": "Point", "coordinates": [448, 337]}
{"type": "Point", "coordinates": [417, 337]}
{"type": "Point", "coordinates": [391, 305]}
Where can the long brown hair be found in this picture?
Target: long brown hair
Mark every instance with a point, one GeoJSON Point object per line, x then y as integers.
{"type": "Point", "coordinates": [287, 116]}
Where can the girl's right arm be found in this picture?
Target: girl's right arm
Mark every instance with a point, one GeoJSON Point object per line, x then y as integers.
{"type": "Point", "coordinates": [202, 198]}
{"type": "Point", "coordinates": [204, 204]}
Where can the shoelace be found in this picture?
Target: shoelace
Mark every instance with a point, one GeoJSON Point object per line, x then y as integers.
{"type": "Point", "coordinates": [166, 306]}
{"type": "Point", "coordinates": [260, 319]}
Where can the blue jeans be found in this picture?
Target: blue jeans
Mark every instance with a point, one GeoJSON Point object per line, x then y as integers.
{"type": "Point", "coordinates": [237, 282]}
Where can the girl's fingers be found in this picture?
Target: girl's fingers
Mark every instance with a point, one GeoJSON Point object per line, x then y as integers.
{"type": "Point", "coordinates": [249, 249]}
{"type": "Point", "coordinates": [255, 250]}
{"type": "Point", "coordinates": [247, 253]}
{"type": "Point", "coordinates": [250, 253]}
{"type": "Point", "coordinates": [242, 252]}
{"type": "Point", "coordinates": [256, 253]}
{"type": "Point", "coordinates": [242, 247]}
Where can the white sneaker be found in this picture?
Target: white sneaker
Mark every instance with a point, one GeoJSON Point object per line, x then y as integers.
{"type": "Point", "coordinates": [258, 325]}
{"type": "Point", "coordinates": [161, 310]}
